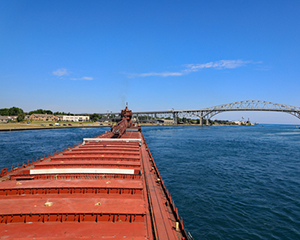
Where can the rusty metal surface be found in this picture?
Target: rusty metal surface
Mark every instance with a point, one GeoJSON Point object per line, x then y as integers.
{"type": "Point", "coordinates": [96, 189]}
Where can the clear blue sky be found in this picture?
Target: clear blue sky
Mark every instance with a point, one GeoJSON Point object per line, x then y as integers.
{"type": "Point", "coordinates": [93, 56]}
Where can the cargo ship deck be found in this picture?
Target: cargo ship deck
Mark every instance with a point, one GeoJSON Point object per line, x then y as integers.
{"type": "Point", "coordinates": [107, 187]}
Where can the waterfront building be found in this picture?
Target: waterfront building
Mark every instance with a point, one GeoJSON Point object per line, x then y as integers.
{"type": "Point", "coordinates": [74, 118]}
{"type": "Point", "coordinates": [6, 119]}
{"type": "Point", "coordinates": [41, 117]}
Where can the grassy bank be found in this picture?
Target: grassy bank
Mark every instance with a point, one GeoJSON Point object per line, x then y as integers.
{"type": "Point", "coordinates": [46, 124]}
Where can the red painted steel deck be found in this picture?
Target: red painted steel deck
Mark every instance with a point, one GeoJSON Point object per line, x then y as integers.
{"type": "Point", "coordinates": [105, 188]}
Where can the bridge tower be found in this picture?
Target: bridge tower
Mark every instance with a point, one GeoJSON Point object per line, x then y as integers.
{"type": "Point", "coordinates": [175, 118]}
{"type": "Point", "coordinates": [201, 118]}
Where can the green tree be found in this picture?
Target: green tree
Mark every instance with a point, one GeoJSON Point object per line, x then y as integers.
{"type": "Point", "coordinates": [4, 112]}
{"type": "Point", "coordinates": [14, 111]}
{"type": "Point", "coordinates": [40, 111]}
{"type": "Point", "coordinates": [21, 117]}
{"type": "Point", "coordinates": [94, 117]}
{"type": "Point", "coordinates": [60, 113]}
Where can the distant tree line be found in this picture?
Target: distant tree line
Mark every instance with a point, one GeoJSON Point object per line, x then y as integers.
{"type": "Point", "coordinates": [188, 120]}
{"type": "Point", "coordinates": [221, 122]}
{"type": "Point", "coordinates": [40, 111]}
{"type": "Point", "coordinates": [63, 113]}
{"type": "Point", "coordinates": [14, 111]}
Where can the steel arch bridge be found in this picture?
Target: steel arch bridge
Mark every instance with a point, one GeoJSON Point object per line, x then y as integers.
{"type": "Point", "coordinates": [207, 113]}
{"type": "Point", "coordinates": [248, 105]}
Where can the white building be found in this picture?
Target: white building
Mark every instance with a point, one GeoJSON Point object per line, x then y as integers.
{"type": "Point", "coordinates": [75, 118]}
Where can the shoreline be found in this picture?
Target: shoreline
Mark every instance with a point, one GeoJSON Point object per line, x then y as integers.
{"type": "Point", "coordinates": [98, 126]}
{"type": "Point", "coordinates": [43, 128]}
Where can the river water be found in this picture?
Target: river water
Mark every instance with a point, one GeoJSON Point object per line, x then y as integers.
{"type": "Point", "coordinates": [228, 182]}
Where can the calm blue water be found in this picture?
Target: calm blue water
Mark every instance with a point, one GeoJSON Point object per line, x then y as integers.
{"type": "Point", "coordinates": [16, 147]}
{"type": "Point", "coordinates": [228, 182]}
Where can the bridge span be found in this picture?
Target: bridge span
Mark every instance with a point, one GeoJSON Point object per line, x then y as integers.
{"type": "Point", "coordinates": [207, 113]}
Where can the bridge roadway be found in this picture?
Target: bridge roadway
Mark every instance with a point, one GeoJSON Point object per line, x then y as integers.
{"type": "Point", "coordinates": [207, 113]}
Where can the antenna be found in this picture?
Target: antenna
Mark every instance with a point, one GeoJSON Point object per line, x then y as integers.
{"type": "Point", "coordinates": [126, 104]}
